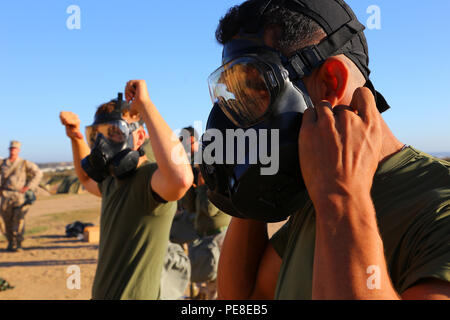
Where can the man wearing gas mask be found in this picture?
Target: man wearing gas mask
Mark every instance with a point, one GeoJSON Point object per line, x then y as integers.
{"type": "Point", "coordinates": [368, 215]}
{"type": "Point", "coordinates": [183, 230]}
{"type": "Point", "coordinates": [136, 213]}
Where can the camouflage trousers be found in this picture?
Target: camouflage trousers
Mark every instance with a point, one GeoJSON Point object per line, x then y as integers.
{"type": "Point", "coordinates": [204, 255]}
{"type": "Point", "coordinates": [13, 224]}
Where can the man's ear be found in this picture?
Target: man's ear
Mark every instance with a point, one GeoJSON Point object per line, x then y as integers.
{"type": "Point", "coordinates": [140, 136]}
{"type": "Point", "coordinates": [334, 76]}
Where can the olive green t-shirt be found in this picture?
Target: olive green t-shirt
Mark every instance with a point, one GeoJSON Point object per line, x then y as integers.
{"type": "Point", "coordinates": [134, 235]}
{"type": "Point", "coordinates": [187, 203]}
{"type": "Point", "coordinates": [411, 194]}
{"type": "Point", "coordinates": [147, 147]}
{"type": "Point", "coordinates": [209, 218]}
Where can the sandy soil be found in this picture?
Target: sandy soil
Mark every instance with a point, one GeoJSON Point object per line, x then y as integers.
{"type": "Point", "coordinates": [62, 203]}
{"type": "Point", "coordinates": [40, 271]}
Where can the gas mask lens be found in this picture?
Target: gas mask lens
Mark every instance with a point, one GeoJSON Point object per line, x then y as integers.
{"type": "Point", "coordinates": [241, 91]}
{"type": "Point", "coordinates": [117, 132]}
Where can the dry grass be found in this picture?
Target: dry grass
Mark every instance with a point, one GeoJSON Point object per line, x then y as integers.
{"type": "Point", "coordinates": [58, 221]}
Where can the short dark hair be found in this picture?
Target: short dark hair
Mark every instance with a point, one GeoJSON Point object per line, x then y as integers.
{"type": "Point", "coordinates": [294, 30]}
{"type": "Point", "coordinates": [110, 107]}
{"type": "Point", "coordinates": [192, 132]}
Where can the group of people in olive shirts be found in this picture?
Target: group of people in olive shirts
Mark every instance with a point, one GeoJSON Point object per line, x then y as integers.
{"type": "Point", "coordinates": [373, 224]}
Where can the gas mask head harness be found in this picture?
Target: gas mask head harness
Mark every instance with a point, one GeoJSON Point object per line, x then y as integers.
{"type": "Point", "coordinates": [259, 88]}
{"type": "Point", "coordinates": [110, 138]}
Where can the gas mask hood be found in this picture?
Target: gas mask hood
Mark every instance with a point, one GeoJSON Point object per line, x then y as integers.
{"type": "Point", "coordinates": [257, 88]}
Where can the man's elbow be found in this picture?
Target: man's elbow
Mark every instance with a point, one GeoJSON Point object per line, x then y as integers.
{"type": "Point", "coordinates": [179, 186]}
{"type": "Point", "coordinates": [85, 181]}
{"type": "Point", "coordinates": [90, 186]}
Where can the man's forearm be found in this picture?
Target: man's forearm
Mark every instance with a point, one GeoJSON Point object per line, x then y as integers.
{"type": "Point", "coordinates": [164, 144]}
{"type": "Point", "coordinates": [80, 150]}
{"type": "Point", "coordinates": [243, 247]}
{"type": "Point", "coordinates": [37, 177]}
{"type": "Point", "coordinates": [349, 260]}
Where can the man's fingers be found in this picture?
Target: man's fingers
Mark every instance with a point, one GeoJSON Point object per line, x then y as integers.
{"type": "Point", "coordinates": [69, 118]}
{"type": "Point", "coordinates": [321, 114]}
{"type": "Point", "coordinates": [73, 132]}
{"type": "Point", "coordinates": [72, 124]}
{"type": "Point", "coordinates": [339, 109]}
{"type": "Point", "coordinates": [130, 90]}
{"type": "Point", "coordinates": [324, 109]}
{"type": "Point", "coordinates": [309, 116]}
{"type": "Point", "coordinates": [321, 111]}
{"type": "Point", "coordinates": [78, 135]}
{"type": "Point", "coordinates": [364, 103]}
{"type": "Point", "coordinates": [62, 117]}
{"type": "Point", "coordinates": [65, 121]}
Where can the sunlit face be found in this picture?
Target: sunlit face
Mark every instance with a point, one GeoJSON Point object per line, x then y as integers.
{"type": "Point", "coordinates": [194, 145]}
{"type": "Point", "coordinates": [14, 152]}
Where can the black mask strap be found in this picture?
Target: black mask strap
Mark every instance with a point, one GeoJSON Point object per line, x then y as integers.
{"type": "Point", "coordinates": [382, 104]}
{"type": "Point", "coordinates": [309, 58]}
{"type": "Point", "coordinates": [141, 151]}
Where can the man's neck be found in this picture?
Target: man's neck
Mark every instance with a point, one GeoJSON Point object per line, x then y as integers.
{"type": "Point", "coordinates": [13, 159]}
{"type": "Point", "coordinates": [142, 160]}
{"type": "Point", "coordinates": [391, 145]}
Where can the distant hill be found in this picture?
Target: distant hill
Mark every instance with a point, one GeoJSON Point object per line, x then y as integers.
{"type": "Point", "coordinates": [55, 166]}
{"type": "Point", "coordinates": [441, 155]}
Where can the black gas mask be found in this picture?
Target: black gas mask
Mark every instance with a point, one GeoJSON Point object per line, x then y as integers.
{"type": "Point", "coordinates": [111, 141]}
{"type": "Point", "coordinates": [253, 92]}
{"type": "Point", "coordinates": [259, 90]}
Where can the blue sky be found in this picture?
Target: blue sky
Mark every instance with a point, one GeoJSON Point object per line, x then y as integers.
{"type": "Point", "coordinates": [46, 68]}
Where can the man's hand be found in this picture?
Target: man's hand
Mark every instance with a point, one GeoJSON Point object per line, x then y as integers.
{"type": "Point", "coordinates": [80, 150]}
{"type": "Point", "coordinates": [172, 180]}
{"type": "Point", "coordinates": [24, 189]}
{"type": "Point", "coordinates": [72, 123]}
{"type": "Point", "coordinates": [201, 180]}
{"type": "Point", "coordinates": [136, 92]}
{"type": "Point", "coordinates": [340, 148]}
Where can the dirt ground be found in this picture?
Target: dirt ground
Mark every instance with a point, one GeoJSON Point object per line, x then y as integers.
{"type": "Point", "coordinates": [41, 271]}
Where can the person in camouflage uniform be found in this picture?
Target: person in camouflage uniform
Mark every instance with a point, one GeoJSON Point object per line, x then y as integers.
{"type": "Point", "coordinates": [209, 220]}
{"type": "Point", "coordinates": [183, 229]}
{"type": "Point", "coordinates": [17, 176]}
{"type": "Point", "coordinates": [210, 225]}
{"type": "Point", "coordinates": [199, 227]}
